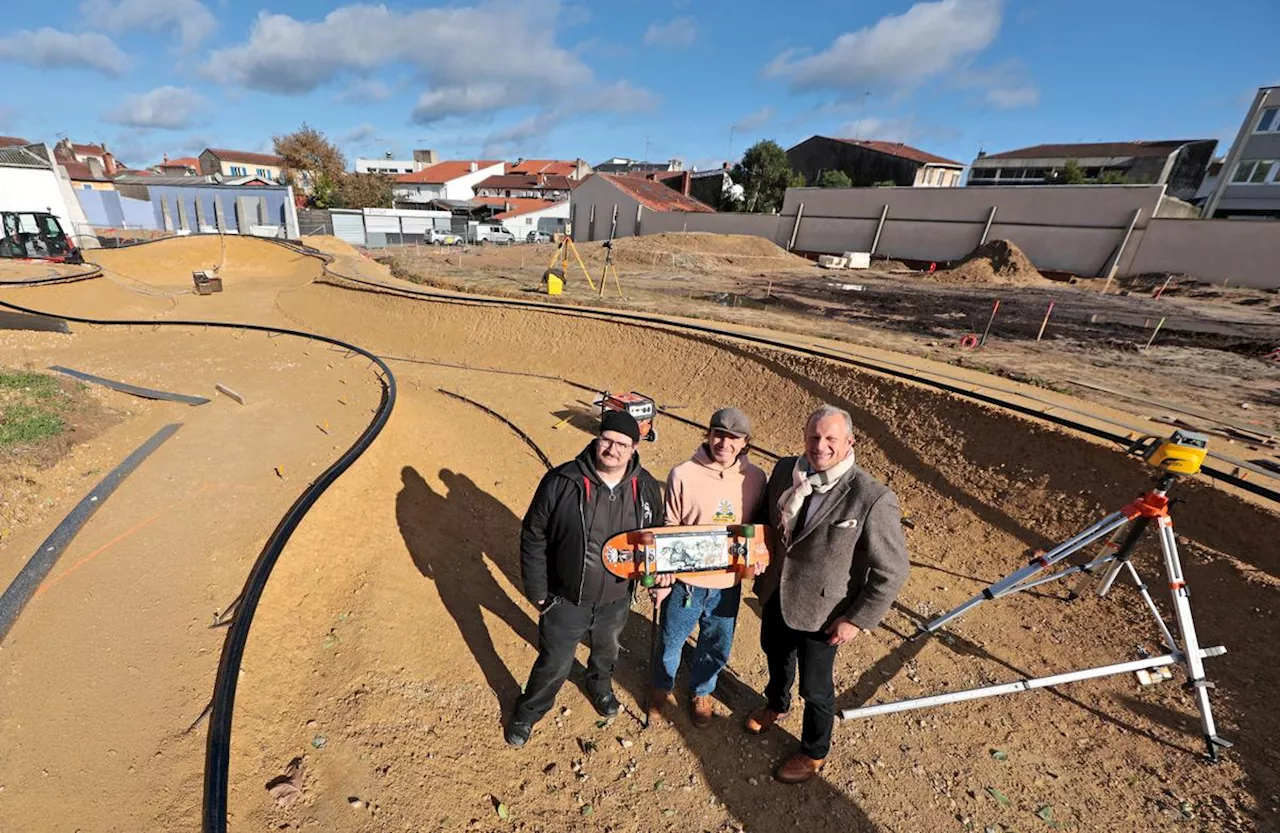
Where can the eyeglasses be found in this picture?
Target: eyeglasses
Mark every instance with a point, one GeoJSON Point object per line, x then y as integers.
{"type": "Point", "coordinates": [618, 444]}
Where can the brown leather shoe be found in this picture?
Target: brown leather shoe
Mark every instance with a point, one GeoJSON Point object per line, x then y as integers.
{"type": "Point", "coordinates": [700, 709]}
{"type": "Point", "coordinates": [761, 719]}
{"type": "Point", "coordinates": [798, 768]}
{"type": "Point", "coordinates": [657, 699]}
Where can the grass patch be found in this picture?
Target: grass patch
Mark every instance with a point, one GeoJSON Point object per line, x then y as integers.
{"type": "Point", "coordinates": [24, 424]}
{"type": "Point", "coordinates": [31, 408]}
{"type": "Point", "coordinates": [39, 386]}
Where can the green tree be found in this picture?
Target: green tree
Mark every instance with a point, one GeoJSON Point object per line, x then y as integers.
{"type": "Point", "coordinates": [311, 163]}
{"type": "Point", "coordinates": [765, 175]}
{"type": "Point", "coordinates": [1113, 178]}
{"type": "Point", "coordinates": [1071, 174]}
{"type": "Point", "coordinates": [364, 191]}
{"type": "Point", "coordinates": [834, 179]}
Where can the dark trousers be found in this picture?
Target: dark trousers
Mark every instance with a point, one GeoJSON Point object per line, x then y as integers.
{"type": "Point", "coordinates": [560, 629]}
{"type": "Point", "coordinates": [783, 647]}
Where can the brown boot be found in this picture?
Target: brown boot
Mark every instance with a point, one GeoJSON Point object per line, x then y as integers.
{"type": "Point", "coordinates": [761, 719]}
{"type": "Point", "coordinates": [700, 710]}
{"type": "Point", "coordinates": [657, 699]}
{"type": "Point", "coordinates": [798, 768]}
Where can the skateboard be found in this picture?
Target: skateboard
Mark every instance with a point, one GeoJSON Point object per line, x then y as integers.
{"type": "Point", "coordinates": [685, 550]}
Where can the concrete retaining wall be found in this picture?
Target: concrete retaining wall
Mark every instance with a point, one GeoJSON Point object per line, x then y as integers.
{"type": "Point", "coordinates": [1240, 252]}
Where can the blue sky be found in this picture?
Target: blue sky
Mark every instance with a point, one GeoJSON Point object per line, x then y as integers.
{"type": "Point", "coordinates": [676, 78]}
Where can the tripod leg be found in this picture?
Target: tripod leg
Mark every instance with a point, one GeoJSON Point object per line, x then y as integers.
{"type": "Point", "coordinates": [1151, 606]}
{"type": "Point", "coordinates": [1122, 555]}
{"type": "Point", "coordinates": [1010, 584]}
{"type": "Point", "coordinates": [1190, 642]}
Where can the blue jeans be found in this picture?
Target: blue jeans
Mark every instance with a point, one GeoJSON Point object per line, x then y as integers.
{"type": "Point", "coordinates": [715, 612]}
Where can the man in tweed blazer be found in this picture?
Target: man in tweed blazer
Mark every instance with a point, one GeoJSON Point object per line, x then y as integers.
{"type": "Point", "coordinates": [839, 560]}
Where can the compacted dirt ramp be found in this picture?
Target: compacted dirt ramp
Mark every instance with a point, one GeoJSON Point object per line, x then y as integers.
{"type": "Point", "coordinates": [392, 634]}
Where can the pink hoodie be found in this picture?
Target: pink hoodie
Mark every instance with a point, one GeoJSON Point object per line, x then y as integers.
{"type": "Point", "coordinates": [699, 492]}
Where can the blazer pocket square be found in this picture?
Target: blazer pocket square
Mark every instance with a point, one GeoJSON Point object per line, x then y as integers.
{"type": "Point", "coordinates": [849, 524]}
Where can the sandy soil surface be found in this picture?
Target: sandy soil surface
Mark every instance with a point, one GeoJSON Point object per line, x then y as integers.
{"type": "Point", "coordinates": [1208, 357]}
{"type": "Point", "coordinates": [393, 636]}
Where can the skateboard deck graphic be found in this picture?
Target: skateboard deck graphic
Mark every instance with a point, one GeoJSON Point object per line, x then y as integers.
{"type": "Point", "coordinates": [685, 550]}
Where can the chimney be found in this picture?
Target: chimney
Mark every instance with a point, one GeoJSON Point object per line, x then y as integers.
{"type": "Point", "coordinates": [473, 167]}
{"type": "Point", "coordinates": [726, 166]}
{"type": "Point", "coordinates": [165, 159]}
{"type": "Point", "coordinates": [109, 163]}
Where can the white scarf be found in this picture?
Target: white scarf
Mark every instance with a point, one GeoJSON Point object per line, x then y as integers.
{"type": "Point", "coordinates": [804, 483]}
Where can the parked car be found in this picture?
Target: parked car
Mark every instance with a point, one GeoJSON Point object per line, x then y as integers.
{"type": "Point", "coordinates": [536, 236]}
{"type": "Point", "coordinates": [441, 237]}
{"type": "Point", "coordinates": [36, 234]}
{"type": "Point", "coordinates": [494, 234]}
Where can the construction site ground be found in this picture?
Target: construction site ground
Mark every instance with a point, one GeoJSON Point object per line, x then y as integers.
{"type": "Point", "coordinates": [1207, 356]}
{"type": "Point", "coordinates": [393, 636]}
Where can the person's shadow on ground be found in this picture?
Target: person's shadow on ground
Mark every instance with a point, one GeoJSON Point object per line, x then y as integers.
{"type": "Point", "coordinates": [449, 536]}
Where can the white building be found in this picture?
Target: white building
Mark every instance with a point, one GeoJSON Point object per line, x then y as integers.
{"type": "Point", "coordinates": [453, 180]}
{"type": "Point", "coordinates": [521, 216]}
{"type": "Point", "coordinates": [29, 181]}
{"type": "Point", "coordinates": [385, 166]}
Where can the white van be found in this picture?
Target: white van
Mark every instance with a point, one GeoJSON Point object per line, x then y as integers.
{"type": "Point", "coordinates": [486, 233]}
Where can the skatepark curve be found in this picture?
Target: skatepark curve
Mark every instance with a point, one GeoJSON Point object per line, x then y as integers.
{"type": "Point", "coordinates": [391, 631]}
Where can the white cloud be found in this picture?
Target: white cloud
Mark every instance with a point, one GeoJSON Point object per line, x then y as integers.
{"type": "Point", "coordinates": [904, 129]}
{"type": "Point", "coordinates": [681, 32]}
{"type": "Point", "coordinates": [191, 18]}
{"type": "Point", "coordinates": [620, 97]}
{"type": "Point", "coordinates": [166, 108]}
{"type": "Point", "coordinates": [755, 120]}
{"type": "Point", "coordinates": [1008, 98]}
{"type": "Point", "coordinates": [47, 48]}
{"type": "Point", "coordinates": [455, 49]}
{"type": "Point", "coordinates": [363, 91]}
{"type": "Point", "coordinates": [898, 52]}
{"type": "Point", "coordinates": [362, 135]}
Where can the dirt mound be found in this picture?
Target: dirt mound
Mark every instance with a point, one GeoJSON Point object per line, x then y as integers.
{"type": "Point", "coordinates": [169, 262]}
{"type": "Point", "coordinates": [703, 250]}
{"type": "Point", "coordinates": [996, 261]}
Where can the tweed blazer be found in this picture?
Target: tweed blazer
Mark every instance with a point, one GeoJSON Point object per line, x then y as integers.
{"type": "Point", "coordinates": [849, 559]}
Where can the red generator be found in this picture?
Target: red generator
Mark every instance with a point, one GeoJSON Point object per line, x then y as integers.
{"type": "Point", "coordinates": [638, 405]}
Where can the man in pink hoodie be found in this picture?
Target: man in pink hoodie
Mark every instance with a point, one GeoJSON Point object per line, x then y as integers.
{"type": "Point", "coordinates": [716, 486]}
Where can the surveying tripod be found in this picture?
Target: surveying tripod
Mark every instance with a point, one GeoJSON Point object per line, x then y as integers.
{"type": "Point", "coordinates": [1180, 454]}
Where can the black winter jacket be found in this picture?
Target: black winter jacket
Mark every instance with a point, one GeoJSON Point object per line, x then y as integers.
{"type": "Point", "coordinates": [553, 538]}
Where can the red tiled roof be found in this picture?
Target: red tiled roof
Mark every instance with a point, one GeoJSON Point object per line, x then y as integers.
{"type": "Point", "coordinates": [181, 162]}
{"type": "Point", "coordinates": [12, 141]}
{"type": "Point", "coordinates": [553, 182]}
{"type": "Point", "coordinates": [519, 205]}
{"type": "Point", "coordinates": [81, 172]}
{"type": "Point", "coordinates": [443, 172]}
{"type": "Point", "coordinates": [1095, 149]}
{"type": "Point", "coordinates": [902, 151]}
{"type": "Point", "coordinates": [246, 156]}
{"type": "Point", "coordinates": [543, 166]}
{"type": "Point", "coordinates": [88, 150]}
{"type": "Point", "coordinates": [655, 195]}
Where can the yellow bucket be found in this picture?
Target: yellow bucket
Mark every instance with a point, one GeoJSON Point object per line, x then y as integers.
{"type": "Point", "coordinates": [555, 285]}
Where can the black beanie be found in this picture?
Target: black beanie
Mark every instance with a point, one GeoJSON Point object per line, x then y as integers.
{"type": "Point", "coordinates": [622, 422]}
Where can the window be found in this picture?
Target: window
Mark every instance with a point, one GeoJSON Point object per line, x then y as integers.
{"type": "Point", "coordinates": [1253, 171]}
{"type": "Point", "coordinates": [1269, 121]}
{"type": "Point", "coordinates": [262, 172]}
{"type": "Point", "coordinates": [237, 170]}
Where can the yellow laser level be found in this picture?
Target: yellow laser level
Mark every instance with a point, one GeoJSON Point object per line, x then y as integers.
{"type": "Point", "coordinates": [1182, 453]}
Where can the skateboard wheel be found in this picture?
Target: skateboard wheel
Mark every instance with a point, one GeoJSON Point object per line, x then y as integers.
{"type": "Point", "coordinates": [648, 580]}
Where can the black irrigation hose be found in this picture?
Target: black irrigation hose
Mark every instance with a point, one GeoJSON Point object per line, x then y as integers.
{"type": "Point", "coordinates": [133, 390]}
{"type": "Point", "coordinates": [95, 272]}
{"type": "Point", "coordinates": [653, 321]}
{"type": "Point", "coordinates": [491, 412]}
{"type": "Point", "coordinates": [218, 748]}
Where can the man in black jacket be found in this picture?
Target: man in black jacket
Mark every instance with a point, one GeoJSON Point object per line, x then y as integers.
{"type": "Point", "coordinates": [579, 506]}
